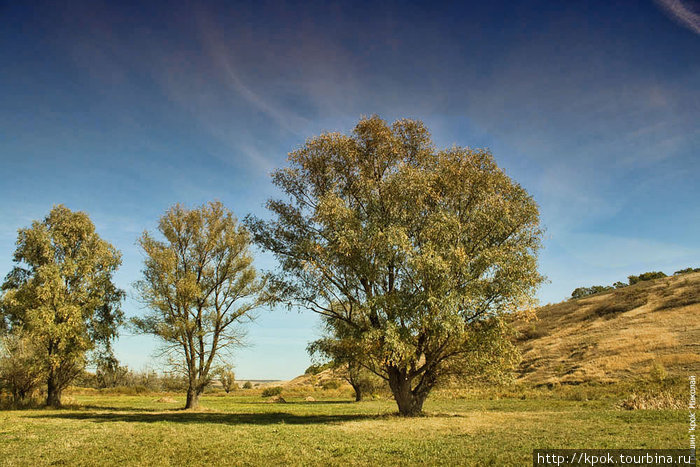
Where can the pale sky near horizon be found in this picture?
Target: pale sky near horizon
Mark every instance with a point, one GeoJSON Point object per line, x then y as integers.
{"type": "Point", "coordinates": [122, 109]}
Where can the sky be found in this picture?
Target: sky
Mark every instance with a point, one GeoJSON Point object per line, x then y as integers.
{"type": "Point", "coordinates": [122, 109]}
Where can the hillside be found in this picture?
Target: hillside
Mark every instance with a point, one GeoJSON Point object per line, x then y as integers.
{"type": "Point", "coordinates": [325, 378]}
{"type": "Point", "coordinates": [615, 335]}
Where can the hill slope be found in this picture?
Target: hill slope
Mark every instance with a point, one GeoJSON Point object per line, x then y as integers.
{"type": "Point", "coordinates": [615, 335]}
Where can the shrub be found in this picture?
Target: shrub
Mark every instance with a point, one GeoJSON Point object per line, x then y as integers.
{"type": "Point", "coordinates": [586, 291]}
{"type": "Point", "coordinates": [19, 372]}
{"type": "Point", "coordinates": [647, 276]}
{"type": "Point", "coordinates": [313, 369]}
{"type": "Point", "coordinates": [273, 391]}
{"type": "Point", "coordinates": [532, 331]}
{"type": "Point", "coordinates": [657, 372]}
{"type": "Point", "coordinates": [227, 378]}
{"type": "Point", "coordinates": [330, 384]}
{"type": "Point", "coordinates": [686, 271]}
{"type": "Point", "coordinates": [110, 374]}
{"type": "Point", "coordinates": [248, 385]}
{"type": "Point", "coordinates": [620, 284]}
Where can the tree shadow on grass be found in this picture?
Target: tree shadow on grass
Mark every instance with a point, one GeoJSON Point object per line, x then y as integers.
{"type": "Point", "coordinates": [93, 407]}
{"type": "Point", "coordinates": [263, 418]}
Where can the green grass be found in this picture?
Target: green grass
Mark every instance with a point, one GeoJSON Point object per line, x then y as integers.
{"type": "Point", "coordinates": [245, 430]}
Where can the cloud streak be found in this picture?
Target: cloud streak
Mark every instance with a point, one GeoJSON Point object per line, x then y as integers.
{"type": "Point", "coordinates": [681, 13]}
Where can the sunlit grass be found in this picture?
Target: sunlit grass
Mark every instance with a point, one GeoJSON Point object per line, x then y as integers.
{"type": "Point", "coordinates": [133, 430]}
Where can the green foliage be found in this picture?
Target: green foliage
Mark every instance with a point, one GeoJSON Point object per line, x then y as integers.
{"type": "Point", "coordinates": [657, 372]}
{"type": "Point", "coordinates": [110, 374]}
{"type": "Point", "coordinates": [123, 380]}
{"type": "Point", "coordinates": [330, 384]}
{"type": "Point", "coordinates": [272, 391]}
{"type": "Point", "coordinates": [314, 369]}
{"type": "Point", "coordinates": [336, 346]}
{"type": "Point", "coordinates": [647, 276]}
{"type": "Point", "coordinates": [248, 385]}
{"type": "Point", "coordinates": [587, 291]}
{"type": "Point", "coordinates": [686, 271]}
{"type": "Point", "coordinates": [61, 294]}
{"type": "Point", "coordinates": [199, 285]}
{"type": "Point", "coordinates": [421, 252]}
{"type": "Point", "coordinates": [21, 371]}
{"type": "Point", "coordinates": [227, 377]}
{"type": "Point", "coordinates": [139, 430]}
{"type": "Point", "coordinates": [317, 368]}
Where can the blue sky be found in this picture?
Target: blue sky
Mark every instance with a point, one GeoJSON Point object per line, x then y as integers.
{"type": "Point", "coordinates": [122, 109]}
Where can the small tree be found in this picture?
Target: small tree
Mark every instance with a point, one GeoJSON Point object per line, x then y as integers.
{"type": "Point", "coordinates": [62, 295]}
{"type": "Point", "coordinates": [227, 378]}
{"type": "Point", "coordinates": [338, 349]}
{"type": "Point", "coordinates": [20, 371]}
{"type": "Point", "coordinates": [199, 283]}
{"type": "Point", "coordinates": [110, 374]}
{"type": "Point", "coordinates": [420, 252]}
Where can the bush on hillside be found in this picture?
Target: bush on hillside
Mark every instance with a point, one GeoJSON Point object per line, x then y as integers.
{"type": "Point", "coordinates": [586, 291]}
{"type": "Point", "coordinates": [582, 292]}
{"type": "Point", "coordinates": [318, 368]}
{"type": "Point", "coordinates": [273, 391]}
{"type": "Point", "coordinates": [330, 384]}
{"type": "Point", "coordinates": [686, 271]}
{"type": "Point", "coordinates": [248, 385]}
{"type": "Point", "coordinates": [647, 276]}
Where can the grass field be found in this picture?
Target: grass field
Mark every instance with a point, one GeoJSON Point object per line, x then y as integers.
{"type": "Point", "coordinates": [246, 430]}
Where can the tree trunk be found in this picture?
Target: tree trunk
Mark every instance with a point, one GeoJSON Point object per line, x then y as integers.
{"type": "Point", "coordinates": [53, 393]}
{"type": "Point", "coordinates": [410, 402]}
{"type": "Point", "coordinates": [192, 398]}
{"type": "Point", "coordinates": [358, 392]}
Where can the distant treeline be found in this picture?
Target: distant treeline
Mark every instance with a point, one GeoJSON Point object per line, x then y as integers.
{"type": "Point", "coordinates": [647, 276]}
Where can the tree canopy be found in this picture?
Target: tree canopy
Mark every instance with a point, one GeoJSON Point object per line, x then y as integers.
{"type": "Point", "coordinates": [61, 295]}
{"type": "Point", "coordinates": [198, 283]}
{"type": "Point", "coordinates": [419, 252]}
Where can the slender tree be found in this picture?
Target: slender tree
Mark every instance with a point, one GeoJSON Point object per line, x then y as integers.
{"type": "Point", "coordinates": [62, 295]}
{"type": "Point", "coordinates": [227, 377]}
{"type": "Point", "coordinates": [420, 253]}
{"type": "Point", "coordinates": [198, 283]}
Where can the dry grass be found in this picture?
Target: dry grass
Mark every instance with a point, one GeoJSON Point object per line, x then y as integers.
{"type": "Point", "coordinates": [649, 401]}
{"type": "Point", "coordinates": [615, 335]}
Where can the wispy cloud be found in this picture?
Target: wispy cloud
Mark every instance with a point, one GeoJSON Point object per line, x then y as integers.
{"type": "Point", "coordinates": [223, 57]}
{"type": "Point", "coordinates": [683, 13]}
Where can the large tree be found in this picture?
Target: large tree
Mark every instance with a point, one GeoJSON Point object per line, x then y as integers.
{"type": "Point", "coordinates": [61, 295]}
{"type": "Point", "coordinates": [420, 252]}
{"type": "Point", "coordinates": [199, 283]}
